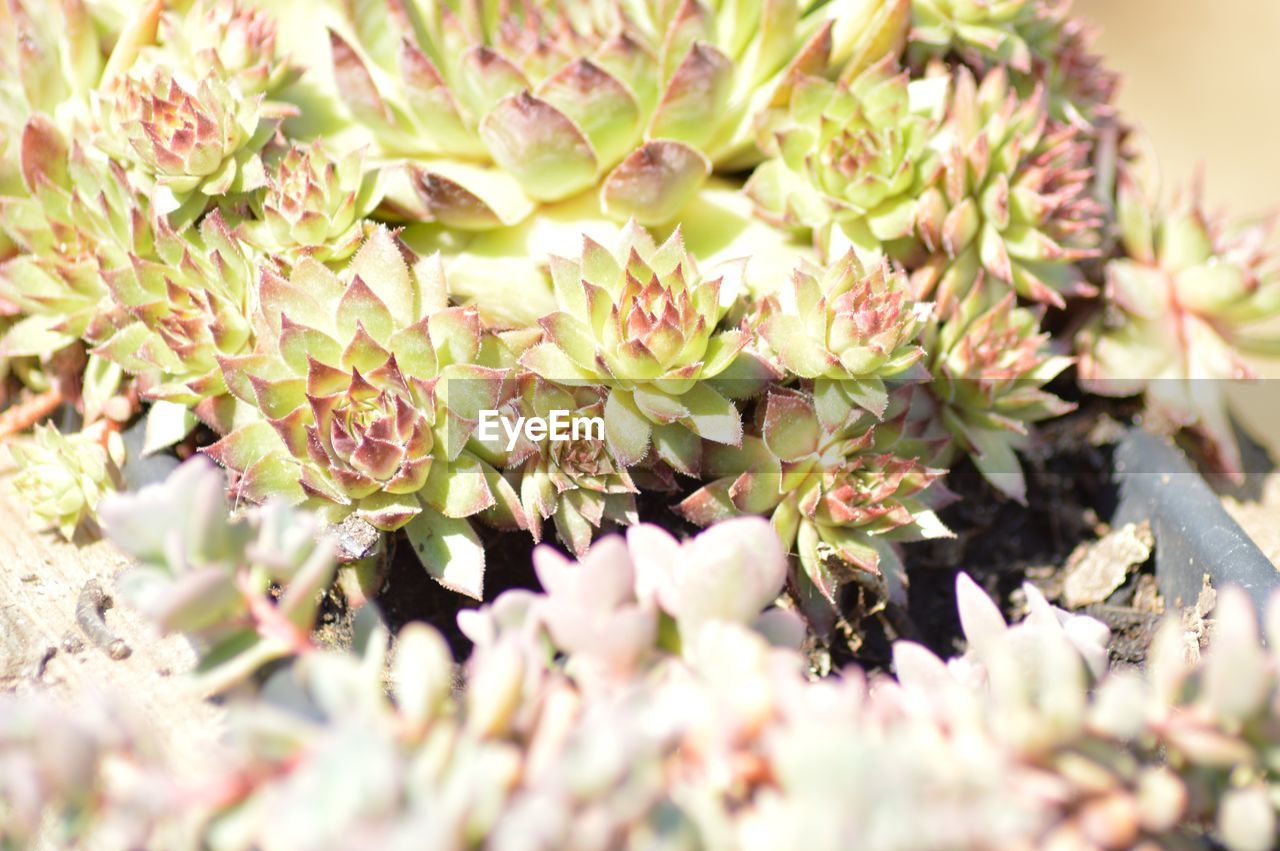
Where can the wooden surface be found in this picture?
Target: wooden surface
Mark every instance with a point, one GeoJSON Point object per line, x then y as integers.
{"type": "Point", "coordinates": [40, 581]}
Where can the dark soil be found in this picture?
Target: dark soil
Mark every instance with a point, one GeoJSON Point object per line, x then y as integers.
{"type": "Point", "coordinates": [999, 543]}
{"type": "Point", "coordinates": [1070, 501]}
{"type": "Point", "coordinates": [410, 594]}
{"type": "Point", "coordinates": [1070, 498]}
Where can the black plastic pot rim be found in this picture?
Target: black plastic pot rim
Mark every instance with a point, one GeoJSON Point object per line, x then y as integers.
{"type": "Point", "coordinates": [1194, 535]}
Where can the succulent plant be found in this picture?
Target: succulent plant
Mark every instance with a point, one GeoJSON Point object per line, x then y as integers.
{"type": "Point", "coordinates": [1007, 196]}
{"type": "Point", "coordinates": [847, 328]}
{"type": "Point", "coordinates": [367, 391]}
{"type": "Point", "coordinates": [642, 321]}
{"type": "Point", "coordinates": [231, 38]}
{"type": "Point", "coordinates": [504, 106]}
{"type": "Point", "coordinates": [835, 496]}
{"type": "Point", "coordinates": [186, 307]}
{"type": "Point", "coordinates": [59, 777]}
{"type": "Point", "coordinates": [172, 238]}
{"type": "Point", "coordinates": [848, 157]}
{"type": "Point", "coordinates": [570, 475]}
{"type": "Point", "coordinates": [197, 138]}
{"type": "Point", "coordinates": [313, 204]}
{"type": "Point", "coordinates": [989, 26]}
{"type": "Point", "coordinates": [84, 216]}
{"type": "Point", "coordinates": [650, 694]}
{"type": "Point", "coordinates": [200, 573]}
{"type": "Point", "coordinates": [47, 60]}
{"type": "Point", "coordinates": [1182, 310]}
{"type": "Point", "coordinates": [1039, 42]}
{"type": "Point", "coordinates": [988, 369]}
{"type": "Point", "coordinates": [63, 477]}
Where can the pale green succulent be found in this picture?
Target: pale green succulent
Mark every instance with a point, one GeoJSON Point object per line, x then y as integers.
{"type": "Point", "coordinates": [1184, 307]}
{"type": "Point", "coordinates": [988, 369]}
{"type": "Point", "coordinates": [501, 107]}
{"type": "Point", "coordinates": [204, 575]}
{"type": "Point", "coordinates": [848, 157]}
{"type": "Point", "coordinates": [62, 478]}
{"type": "Point", "coordinates": [651, 693]}
{"type": "Point", "coordinates": [848, 328]}
{"type": "Point", "coordinates": [197, 138]}
{"type": "Point", "coordinates": [643, 322]}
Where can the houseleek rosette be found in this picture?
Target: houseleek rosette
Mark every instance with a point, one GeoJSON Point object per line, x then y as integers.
{"type": "Point", "coordinates": [84, 218]}
{"type": "Point", "coordinates": [63, 477]}
{"type": "Point", "coordinates": [229, 36]}
{"type": "Point", "coordinates": [504, 106]}
{"type": "Point", "coordinates": [184, 308]}
{"type": "Point", "coordinates": [847, 328]}
{"type": "Point", "coordinates": [837, 495]}
{"type": "Point", "coordinates": [1006, 197]}
{"type": "Point", "coordinates": [643, 322]}
{"type": "Point", "coordinates": [1041, 43]}
{"type": "Point", "coordinates": [197, 138]}
{"type": "Point", "coordinates": [367, 392]}
{"type": "Point", "coordinates": [988, 369]}
{"type": "Point", "coordinates": [848, 157]}
{"type": "Point", "coordinates": [573, 479]}
{"type": "Point", "coordinates": [313, 203]}
{"type": "Point", "coordinates": [50, 57]}
{"type": "Point", "coordinates": [1182, 310]}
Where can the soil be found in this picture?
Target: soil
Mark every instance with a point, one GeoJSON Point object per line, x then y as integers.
{"type": "Point", "coordinates": [999, 543]}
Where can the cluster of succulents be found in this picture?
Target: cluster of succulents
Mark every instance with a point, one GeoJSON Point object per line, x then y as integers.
{"type": "Point", "coordinates": [799, 259]}
{"type": "Point", "coordinates": [741, 236]}
{"type": "Point", "coordinates": [655, 693]}
{"type": "Point", "coordinates": [178, 216]}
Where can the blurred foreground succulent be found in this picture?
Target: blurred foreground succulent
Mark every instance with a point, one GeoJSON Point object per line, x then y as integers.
{"type": "Point", "coordinates": [71, 773]}
{"type": "Point", "coordinates": [203, 574]}
{"type": "Point", "coordinates": [1183, 310]}
{"type": "Point", "coordinates": [1025, 740]}
{"type": "Point", "coordinates": [645, 695]}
